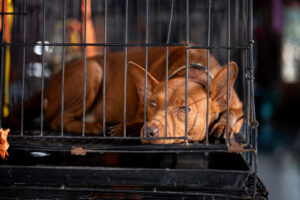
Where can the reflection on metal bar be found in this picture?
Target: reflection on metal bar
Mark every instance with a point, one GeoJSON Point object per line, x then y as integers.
{"type": "Point", "coordinates": [125, 69]}
{"type": "Point", "coordinates": [2, 67]}
{"type": "Point", "coordinates": [170, 22]}
{"type": "Point", "coordinates": [208, 70]}
{"type": "Point", "coordinates": [43, 69]}
{"type": "Point", "coordinates": [228, 73]}
{"type": "Point", "coordinates": [23, 69]}
{"type": "Point", "coordinates": [104, 68]}
{"type": "Point", "coordinates": [63, 69]}
{"type": "Point", "coordinates": [167, 69]}
{"type": "Point", "coordinates": [146, 66]}
{"type": "Point", "coordinates": [84, 78]}
{"type": "Point", "coordinates": [186, 90]}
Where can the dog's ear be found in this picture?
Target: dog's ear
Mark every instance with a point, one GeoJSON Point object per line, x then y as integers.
{"type": "Point", "coordinates": [137, 73]}
{"type": "Point", "coordinates": [218, 88]}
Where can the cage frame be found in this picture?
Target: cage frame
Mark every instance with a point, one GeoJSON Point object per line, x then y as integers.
{"type": "Point", "coordinates": [36, 138]}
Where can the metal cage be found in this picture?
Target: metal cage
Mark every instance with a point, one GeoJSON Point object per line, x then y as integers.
{"type": "Point", "coordinates": [40, 159]}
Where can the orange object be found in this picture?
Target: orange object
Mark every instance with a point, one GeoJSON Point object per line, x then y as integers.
{"type": "Point", "coordinates": [8, 22]}
{"type": "Point", "coordinates": [4, 145]}
{"type": "Point", "coordinates": [7, 35]}
{"type": "Point", "coordinates": [90, 30]}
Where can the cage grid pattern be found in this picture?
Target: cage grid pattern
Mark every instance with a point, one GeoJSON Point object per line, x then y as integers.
{"type": "Point", "coordinates": [41, 140]}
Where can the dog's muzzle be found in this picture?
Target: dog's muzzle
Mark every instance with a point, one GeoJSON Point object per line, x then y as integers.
{"type": "Point", "coordinates": [151, 131]}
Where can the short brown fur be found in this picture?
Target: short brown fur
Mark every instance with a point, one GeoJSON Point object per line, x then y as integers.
{"type": "Point", "coordinates": [73, 97]}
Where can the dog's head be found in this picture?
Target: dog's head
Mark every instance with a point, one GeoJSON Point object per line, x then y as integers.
{"type": "Point", "coordinates": [176, 110]}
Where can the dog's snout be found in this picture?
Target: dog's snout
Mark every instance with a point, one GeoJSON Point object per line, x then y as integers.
{"type": "Point", "coordinates": [152, 131]}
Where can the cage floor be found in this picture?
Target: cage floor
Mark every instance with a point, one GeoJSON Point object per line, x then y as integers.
{"type": "Point", "coordinates": [204, 170]}
{"type": "Point", "coordinates": [44, 168]}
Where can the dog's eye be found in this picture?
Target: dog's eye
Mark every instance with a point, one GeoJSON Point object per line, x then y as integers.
{"type": "Point", "coordinates": [182, 109]}
{"type": "Point", "coordinates": [153, 103]}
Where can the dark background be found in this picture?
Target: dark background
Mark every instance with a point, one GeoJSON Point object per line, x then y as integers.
{"type": "Point", "coordinates": [277, 97]}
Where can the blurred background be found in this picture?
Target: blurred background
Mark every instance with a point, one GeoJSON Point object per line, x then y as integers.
{"type": "Point", "coordinates": [277, 62]}
{"type": "Point", "coordinates": [276, 59]}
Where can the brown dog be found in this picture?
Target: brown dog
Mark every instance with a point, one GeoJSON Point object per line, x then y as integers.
{"type": "Point", "coordinates": [197, 95]}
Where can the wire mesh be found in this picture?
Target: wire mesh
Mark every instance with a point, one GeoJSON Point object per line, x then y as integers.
{"type": "Point", "coordinates": [177, 23]}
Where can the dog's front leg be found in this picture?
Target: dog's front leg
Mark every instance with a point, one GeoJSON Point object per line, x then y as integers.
{"type": "Point", "coordinates": [75, 125]}
{"type": "Point", "coordinates": [132, 129]}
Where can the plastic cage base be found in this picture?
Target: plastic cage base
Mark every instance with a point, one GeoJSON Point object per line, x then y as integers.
{"type": "Point", "coordinates": [28, 174]}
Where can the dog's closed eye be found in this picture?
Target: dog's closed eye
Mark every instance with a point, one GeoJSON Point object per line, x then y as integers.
{"type": "Point", "coordinates": [182, 109]}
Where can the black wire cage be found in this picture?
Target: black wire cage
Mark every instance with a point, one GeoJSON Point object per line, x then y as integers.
{"type": "Point", "coordinates": [46, 35]}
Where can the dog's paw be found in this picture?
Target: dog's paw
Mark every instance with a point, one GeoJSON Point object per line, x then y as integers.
{"type": "Point", "coordinates": [116, 130]}
{"type": "Point", "coordinates": [219, 130]}
{"type": "Point", "coordinates": [93, 128]}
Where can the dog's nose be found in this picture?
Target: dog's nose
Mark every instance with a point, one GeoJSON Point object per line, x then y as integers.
{"type": "Point", "coordinates": [152, 131]}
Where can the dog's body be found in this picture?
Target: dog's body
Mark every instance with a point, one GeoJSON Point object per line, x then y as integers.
{"type": "Point", "coordinates": [73, 96]}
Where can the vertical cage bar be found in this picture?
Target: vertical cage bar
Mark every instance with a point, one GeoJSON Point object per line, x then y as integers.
{"type": "Point", "coordinates": [43, 68]}
{"type": "Point", "coordinates": [187, 37]}
{"type": "Point", "coordinates": [104, 68]}
{"type": "Point", "coordinates": [248, 113]}
{"type": "Point", "coordinates": [23, 69]}
{"type": "Point", "coordinates": [84, 78]}
{"type": "Point", "coordinates": [167, 69]}
{"type": "Point", "coordinates": [187, 22]}
{"type": "Point", "coordinates": [146, 66]}
{"type": "Point", "coordinates": [2, 65]}
{"type": "Point", "coordinates": [186, 90]}
{"type": "Point", "coordinates": [251, 68]}
{"type": "Point", "coordinates": [253, 114]}
{"type": "Point", "coordinates": [244, 72]}
{"type": "Point", "coordinates": [248, 74]}
{"type": "Point", "coordinates": [125, 67]}
{"type": "Point", "coordinates": [208, 69]}
{"type": "Point", "coordinates": [166, 91]}
{"type": "Point", "coordinates": [228, 72]}
{"type": "Point", "coordinates": [63, 68]}
{"type": "Point", "coordinates": [254, 123]}
{"type": "Point", "coordinates": [248, 102]}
